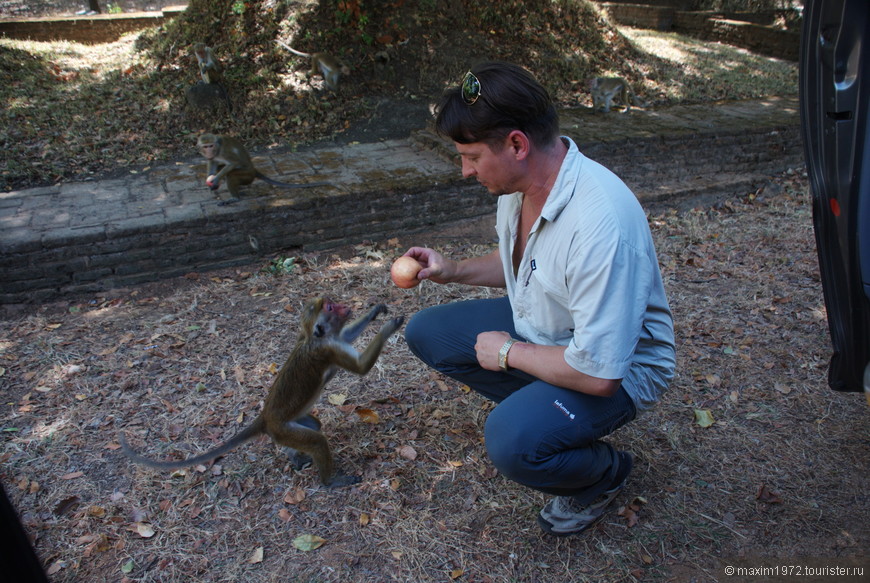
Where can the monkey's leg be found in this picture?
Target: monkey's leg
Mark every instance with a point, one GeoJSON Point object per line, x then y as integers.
{"type": "Point", "coordinates": [352, 331]}
{"type": "Point", "coordinates": [300, 460]}
{"type": "Point", "coordinates": [296, 435]}
{"type": "Point", "coordinates": [235, 179]}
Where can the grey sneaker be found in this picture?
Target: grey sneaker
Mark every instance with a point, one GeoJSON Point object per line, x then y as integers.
{"type": "Point", "coordinates": [564, 516]}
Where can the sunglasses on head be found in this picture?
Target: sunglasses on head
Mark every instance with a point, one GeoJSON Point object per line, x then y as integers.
{"type": "Point", "coordinates": [470, 88]}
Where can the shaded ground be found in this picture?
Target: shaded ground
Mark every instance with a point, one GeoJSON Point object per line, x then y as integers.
{"type": "Point", "coordinates": [181, 364]}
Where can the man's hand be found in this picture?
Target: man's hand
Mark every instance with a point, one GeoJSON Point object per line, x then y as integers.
{"type": "Point", "coordinates": [487, 347]}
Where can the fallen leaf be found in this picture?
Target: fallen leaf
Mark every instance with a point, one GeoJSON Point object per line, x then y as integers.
{"type": "Point", "coordinates": [128, 567]}
{"type": "Point", "coordinates": [257, 556]}
{"type": "Point", "coordinates": [337, 399]}
{"type": "Point", "coordinates": [408, 452]}
{"type": "Point", "coordinates": [285, 515]}
{"type": "Point", "coordinates": [704, 417]}
{"type": "Point", "coordinates": [308, 542]}
{"type": "Point", "coordinates": [368, 415]}
{"type": "Point", "coordinates": [144, 529]}
{"type": "Point", "coordinates": [72, 476]}
{"type": "Point", "coordinates": [364, 519]}
{"type": "Point", "coordinates": [764, 494]}
{"type": "Point", "coordinates": [456, 573]}
{"type": "Point", "coordinates": [294, 496]}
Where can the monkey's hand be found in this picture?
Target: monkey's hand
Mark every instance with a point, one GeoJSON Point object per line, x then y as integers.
{"type": "Point", "coordinates": [212, 182]}
{"type": "Point", "coordinates": [390, 326]}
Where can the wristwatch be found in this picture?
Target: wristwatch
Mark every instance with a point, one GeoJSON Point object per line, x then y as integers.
{"type": "Point", "coordinates": [503, 353]}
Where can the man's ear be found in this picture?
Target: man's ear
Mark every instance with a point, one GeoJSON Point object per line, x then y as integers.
{"type": "Point", "coordinates": [519, 143]}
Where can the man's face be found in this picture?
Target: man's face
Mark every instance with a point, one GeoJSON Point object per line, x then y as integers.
{"type": "Point", "coordinates": [494, 169]}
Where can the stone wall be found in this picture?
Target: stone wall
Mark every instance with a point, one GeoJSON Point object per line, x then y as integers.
{"type": "Point", "coordinates": [133, 252]}
{"type": "Point", "coordinates": [94, 29]}
{"type": "Point", "coordinates": [138, 250]}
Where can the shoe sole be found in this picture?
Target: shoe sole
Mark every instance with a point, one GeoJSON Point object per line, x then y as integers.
{"type": "Point", "coordinates": [548, 528]}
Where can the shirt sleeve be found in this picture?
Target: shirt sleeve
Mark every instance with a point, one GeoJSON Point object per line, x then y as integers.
{"type": "Point", "coordinates": [609, 282]}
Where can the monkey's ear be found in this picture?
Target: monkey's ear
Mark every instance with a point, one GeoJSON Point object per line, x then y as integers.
{"type": "Point", "coordinates": [318, 331]}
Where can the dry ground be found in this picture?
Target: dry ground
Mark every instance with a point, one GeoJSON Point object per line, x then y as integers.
{"type": "Point", "coordinates": [180, 365]}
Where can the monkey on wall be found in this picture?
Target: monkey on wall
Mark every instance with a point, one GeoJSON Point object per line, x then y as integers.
{"type": "Point", "coordinates": [209, 67]}
{"type": "Point", "coordinates": [609, 91]}
{"type": "Point", "coordinates": [228, 158]}
{"type": "Point", "coordinates": [324, 345]}
{"type": "Point", "coordinates": [330, 68]}
{"type": "Point", "coordinates": [210, 90]}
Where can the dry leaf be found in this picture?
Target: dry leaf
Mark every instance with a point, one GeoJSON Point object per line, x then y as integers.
{"type": "Point", "coordinates": [294, 496]}
{"type": "Point", "coordinates": [408, 452]}
{"type": "Point", "coordinates": [144, 530]}
{"type": "Point", "coordinates": [764, 494]}
{"type": "Point", "coordinates": [368, 415]}
{"type": "Point", "coordinates": [308, 542]}
{"type": "Point", "coordinates": [257, 556]}
{"type": "Point", "coordinates": [364, 519]}
{"type": "Point", "coordinates": [704, 417]}
{"type": "Point", "coordinates": [456, 573]}
{"type": "Point", "coordinates": [72, 476]}
{"type": "Point", "coordinates": [285, 515]}
{"type": "Point", "coordinates": [337, 399]}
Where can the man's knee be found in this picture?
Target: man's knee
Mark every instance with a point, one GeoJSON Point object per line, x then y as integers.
{"type": "Point", "coordinates": [416, 332]}
{"type": "Point", "coordinates": [509, 445]}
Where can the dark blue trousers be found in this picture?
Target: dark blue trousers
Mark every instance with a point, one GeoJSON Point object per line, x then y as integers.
{"type": "Point", "coordinates": [539, 435]}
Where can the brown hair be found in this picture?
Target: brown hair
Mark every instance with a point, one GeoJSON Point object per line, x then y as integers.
{"type": "Point", "coordinates": [510, 99]}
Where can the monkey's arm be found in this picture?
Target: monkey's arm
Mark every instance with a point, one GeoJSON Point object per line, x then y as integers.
{"type": "Point", "coordinates": [353, 329]}
{"type": "Point", "coordinates": [228, 167]}
{"type": "Point", "coordinates": [347, 357]}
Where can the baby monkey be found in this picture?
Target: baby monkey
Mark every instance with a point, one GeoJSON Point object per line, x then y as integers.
{"type": "Point", "coordinates": [324, 346]}
{"type": "Point", "coordinates": [609, 91]}
{"type": "Point", "coordinates": [228, 158]}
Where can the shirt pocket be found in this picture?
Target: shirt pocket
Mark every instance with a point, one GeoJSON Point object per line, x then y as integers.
{"type": "Point", "coordinates": [546, 306]}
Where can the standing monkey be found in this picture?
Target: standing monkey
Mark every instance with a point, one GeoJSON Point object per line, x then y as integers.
{"type": "Point", "coordinates": [328, 66]}
{"type": "Point", "coordinates": [227, 157]}
{"type": "Point", "coordinates": [324, 346]}
{"type": "Point", "coordinates": [608, 91]}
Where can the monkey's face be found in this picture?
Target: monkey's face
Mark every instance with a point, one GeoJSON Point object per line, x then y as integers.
{"type": "Point", "coordinates": [323, 317]}
{"type": "Point", "coordinates": [208, 150]}
{"type": "Point", "coordinates": [339, 312]}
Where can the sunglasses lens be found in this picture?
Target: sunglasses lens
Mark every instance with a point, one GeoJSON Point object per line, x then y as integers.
{"type": "Point", "coordinates": [470, 88]}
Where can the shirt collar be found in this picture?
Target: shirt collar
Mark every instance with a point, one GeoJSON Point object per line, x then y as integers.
{"type": "Point", "coordinates": [563, 188]}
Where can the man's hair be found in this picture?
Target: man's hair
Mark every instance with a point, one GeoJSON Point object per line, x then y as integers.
{"type": "Point", "coordinates": [510, 99]}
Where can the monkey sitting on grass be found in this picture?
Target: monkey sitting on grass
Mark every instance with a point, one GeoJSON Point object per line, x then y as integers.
{"type": "Point", "coordinates": [324, 346]}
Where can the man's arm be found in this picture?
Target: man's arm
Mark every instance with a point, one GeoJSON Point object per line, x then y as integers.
{"type": "Point", "coordinates": [485, 270]}
{"type": "Point", "coordinates": [544, 362]}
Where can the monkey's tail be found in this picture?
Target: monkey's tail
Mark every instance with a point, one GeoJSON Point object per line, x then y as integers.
{"type": "Point", "coordinates": [274, 182]}
{"type": "Point", "coordinates": [292, 50]}
{"type": "Point", "coordinates": [226, 97]}
{"type": "Point", "coordinates": [257, 427]}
